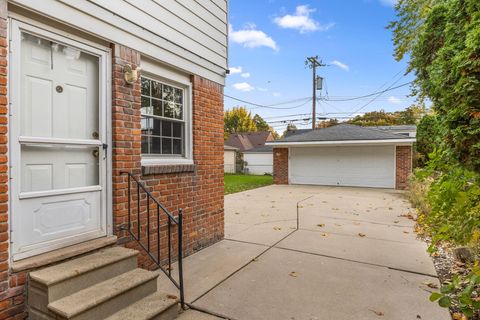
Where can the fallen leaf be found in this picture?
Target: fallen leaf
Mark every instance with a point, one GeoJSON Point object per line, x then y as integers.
{"type": "Point", "coordinates": [419, 316]}
{"type": "Point", "coordinates": [430, 284]}
{"type": "Point", "coordinates": [237, 212]}
{"type": "Point", "coordinates": [378, 313]}
{"type": "Point", "coordinates": [405, 231]}
{"type": "Point", "coordinates": [293, 274]}
{"type": "Point", "coordinates": [277, 228]}
{"type": "Point", "coordinates": [321, 225]}
{"type": "Point", "coordinates": [459, 316]}
{"type": "Point", "coordinates": [171, 296]}
{"type": "Point", "coordinates": [323, 234]}
{"type": "Point", "coordinates": [396, 221]}
{"type": "Point", "coordinates": [390, 208]}
{"type": "Point", "coordinates": [362, 234]}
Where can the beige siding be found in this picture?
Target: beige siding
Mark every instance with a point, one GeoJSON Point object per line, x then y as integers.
{"type": "Point", "coordinates": [186, 34]}
{"type": "Point", "coordinates": [229, 161]}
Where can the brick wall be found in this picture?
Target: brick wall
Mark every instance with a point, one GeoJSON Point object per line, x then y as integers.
{"type": "Point", "coordinates": [11, 284]}
{"type": "Point", "coordinates": [403, 165]}
{"type": "Point", "coordinates": [196, 189]}
{"type": "Point", "coordinates": [280, 165]}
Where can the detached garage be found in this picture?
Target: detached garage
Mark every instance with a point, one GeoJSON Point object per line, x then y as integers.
{"type": "Point", "coordinates": [343, 155]}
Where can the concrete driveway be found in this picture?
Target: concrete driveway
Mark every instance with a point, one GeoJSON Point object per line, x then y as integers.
{"type": "Point", "coordinates": [310, 252]}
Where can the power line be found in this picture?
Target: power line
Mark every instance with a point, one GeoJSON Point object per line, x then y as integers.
{"type": "Point", "coordinates": [270, 106]}
{"type": "Point", "coordinates": [374, 98]}
{"type": "Point", "coordinates": [371, 94]}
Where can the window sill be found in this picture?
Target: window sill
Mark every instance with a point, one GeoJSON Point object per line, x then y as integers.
{"type": "Point", "coordinates": [166, 168]}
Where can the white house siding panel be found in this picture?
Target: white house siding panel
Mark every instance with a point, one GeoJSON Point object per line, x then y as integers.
{"type": "Point", "coordinates": [358, 166]}
{"type": "Point", "coordinates": [229, 161]}
{"type": "Point", "coordinates": [259, 163]}
{"type": "Point", "coordinates": [164, 30]}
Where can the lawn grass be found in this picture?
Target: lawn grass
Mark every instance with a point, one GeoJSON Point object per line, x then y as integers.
{"type": "Point", "coordinates": [241, 182]}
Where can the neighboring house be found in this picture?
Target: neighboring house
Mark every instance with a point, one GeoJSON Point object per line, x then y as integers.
{"type": "Point", "coordinates": [229, 158]}
{"type": "Point", "coordinates": [259, 160]}
{"type": "Point", "coordinates": [249, 140]}
{"type": "Point", "coordinates": [245, 144]}
{"type": "Point", "coordinates": [78, 115]}
{"type": "Point", "coordinates": [343, 155]}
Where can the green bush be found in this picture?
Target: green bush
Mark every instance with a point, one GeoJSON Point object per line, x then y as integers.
{"type": "Point", "coordinates": [448, 200]}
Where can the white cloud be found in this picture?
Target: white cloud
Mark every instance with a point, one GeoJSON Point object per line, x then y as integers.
{"type": "Point", "coordinates": [243, 86]}
{"type": "Point", "coordinates": [234, 70]}
{"type": "Point", "coordinates": [245, 75]}
{"type": "Point", "coordinates": [276, 94]}
{"type": "Point", "coordinates": [394, 100]}
{"type": "Point", "coordinates": [301, 21]}
{"type": "Point", "coordinates": [390, 3]}
{"type": "Point", "coordinates": [250, 37]}
{"type": "Point", "coordinates": [341, 65]}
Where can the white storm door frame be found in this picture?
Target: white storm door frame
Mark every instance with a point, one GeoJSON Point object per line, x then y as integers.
{"type": "Point", "coordinates": [14, 85]}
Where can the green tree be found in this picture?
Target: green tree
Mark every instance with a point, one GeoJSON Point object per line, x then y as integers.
{"type": "Point", "coordinates": [260, 123]}
{"type": "Point", "coordinates": [239, 119]}
{"type": "Point", "coordinates": [410, 116]}
{"type": "Point", "coordinates": [427, 137]}
{"type": "Point", "coordinates": [442, 40]}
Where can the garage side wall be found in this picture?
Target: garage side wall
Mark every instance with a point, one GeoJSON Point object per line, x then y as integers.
{"type": "Point", "coordinates": [403, 166]}
{"type": "Point", "coordinates": [280, 165]}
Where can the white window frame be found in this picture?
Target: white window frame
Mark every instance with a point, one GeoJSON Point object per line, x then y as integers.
{"type": "Point", "coordinates": [153, 71]}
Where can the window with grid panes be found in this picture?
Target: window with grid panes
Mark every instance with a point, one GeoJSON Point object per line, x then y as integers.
{"type": "Point", "coordinates": [163, 124]}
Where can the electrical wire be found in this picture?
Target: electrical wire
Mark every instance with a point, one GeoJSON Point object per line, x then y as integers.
{"type": "Point", "coordinates": [371, 94]}
{"type": "Point", "coordinates": [270, 106]}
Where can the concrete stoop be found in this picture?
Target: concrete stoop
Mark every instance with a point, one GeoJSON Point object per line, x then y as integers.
{"type": "Point", "coordinates": [103, 285]}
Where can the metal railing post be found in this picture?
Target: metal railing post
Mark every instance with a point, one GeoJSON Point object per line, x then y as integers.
{"type": "Point", "coordinates": [180, 257]}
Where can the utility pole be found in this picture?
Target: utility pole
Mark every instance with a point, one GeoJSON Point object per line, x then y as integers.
{"type": "Point", "coordinates": [313, 63]}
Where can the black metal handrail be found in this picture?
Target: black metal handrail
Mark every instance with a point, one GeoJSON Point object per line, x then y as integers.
{"type": "Point", "coordinates": [170, 222]}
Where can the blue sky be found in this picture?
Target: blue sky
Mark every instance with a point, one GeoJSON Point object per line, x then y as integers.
{"type": "Point", "coordinates": [270, 39]}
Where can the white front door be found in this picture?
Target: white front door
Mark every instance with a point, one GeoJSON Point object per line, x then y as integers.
{"type": "Point", "coordinates": [58, 140]}
{"type": "Point", "coordinates": [356, 166]}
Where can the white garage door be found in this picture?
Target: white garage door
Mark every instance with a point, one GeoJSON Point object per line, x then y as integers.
{"type": "Point", "coordinates": [359, 166]}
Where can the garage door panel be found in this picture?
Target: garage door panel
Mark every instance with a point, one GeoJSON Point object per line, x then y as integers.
{"type": "Point", "coordinates": [369, 166]}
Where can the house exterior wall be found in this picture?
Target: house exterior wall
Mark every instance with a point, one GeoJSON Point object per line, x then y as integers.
{"type": "Point", "coordinates": [229, 161]}
{"type": "Point", "coordinates": [196, 188]}
{"type": "Point", "coordinates": [280, 165]}
{"type": "Point", "coordinates": [403, 166]}
{"type": "Point", "coordinates": [258, 163]}
{"type": "Point", "coordinates": [187, 34]}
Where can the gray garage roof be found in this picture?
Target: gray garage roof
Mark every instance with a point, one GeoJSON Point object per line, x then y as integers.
{"type": "Point", "coordinates": [262, 149]}
{"type": "Point", "coordinates": [341, 132]}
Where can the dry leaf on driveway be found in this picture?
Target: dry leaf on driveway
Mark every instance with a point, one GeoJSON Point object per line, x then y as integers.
{"type": "Point", "coordinates": [362, 234]}
{"type": "Point", "coordinates": [378, 313]}
{"type": "Point", "coordinates": [293, 274]}
{"type": "Point", "coordinates": [277, 228]}
{"type": "Point", "coordinates": [430, 284]}
{"type": "Point", "coordinates": [321, 225]}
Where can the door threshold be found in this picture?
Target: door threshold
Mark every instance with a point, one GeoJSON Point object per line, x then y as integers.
{"type": "Point", "coordinates": [63, 253]}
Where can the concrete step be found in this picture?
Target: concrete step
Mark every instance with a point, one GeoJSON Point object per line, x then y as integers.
{"type": "Point", "coordinates": [195, 315]}
{"type": "Point", "coordinates": [158, 306]}
{"type": "Point", "coordinates": [52, 283]}
{"type": "Point", "coordinates": [106, 298]}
